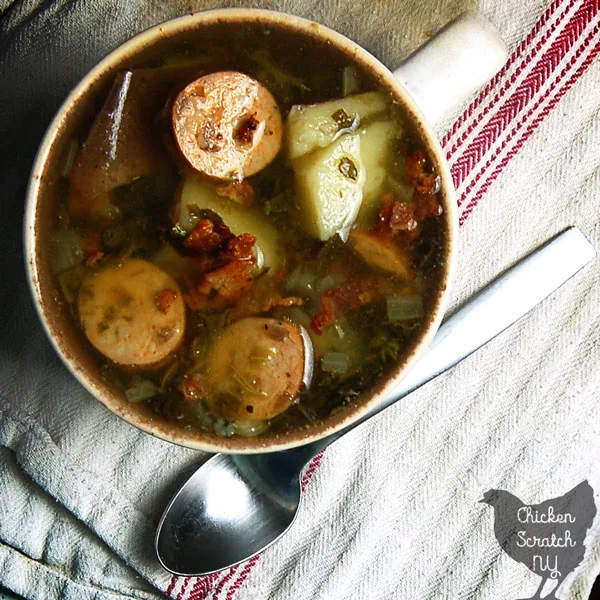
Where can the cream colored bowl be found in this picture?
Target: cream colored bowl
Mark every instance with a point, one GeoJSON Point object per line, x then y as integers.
{"type": "Point", "coordinates": [43, 190]}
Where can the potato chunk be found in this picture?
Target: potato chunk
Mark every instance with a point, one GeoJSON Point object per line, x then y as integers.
{"type": "Point", "coordinates": [330, 184]}
{"type": "Point", "coordinates": [375, 150]}
{"type": "Point", "coordinates": [313, 126]}
{"type": "Point", "coordinates": [124, 142]}
{"type": "Point", "coordinates": [197, 194]}
{"type": "Point", "coordinates": [132, 313]}
{"type": "Point", "coordinates": [381, 253]}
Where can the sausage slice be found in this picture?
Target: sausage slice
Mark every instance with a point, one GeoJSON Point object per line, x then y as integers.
{"type": "Point", "coordinates": [227, 125]}
{"type": "Point", "coordinates": [132, 313]}
{"type": "Point", "coordinates": [257, 367]}
{"type": "Point", "coordinates": [382, 253]}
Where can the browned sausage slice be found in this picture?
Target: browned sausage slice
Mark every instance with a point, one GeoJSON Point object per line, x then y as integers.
{"type": "Point", "coordinates": [133, 313]}
{"type": "Point", "coordinates": [381, 253]}
{"type": "Point", "coordinates": [257, 367]}
{"type": "Point", "coordinates": [227, 125]}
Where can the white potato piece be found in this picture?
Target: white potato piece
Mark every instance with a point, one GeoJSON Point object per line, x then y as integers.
{"type": "Point", "coordinates": [197, 194]}
{"type": "Point", "coordinates": [313, 126]}
{"type": "Point", "coordinates": [256, 366]}
{"type": "Point", "coordinates": [376, 142]}
{"type": "Point", "coordinates": [126, 317]}
{"type": "Point", "coordinates": [329, 183]}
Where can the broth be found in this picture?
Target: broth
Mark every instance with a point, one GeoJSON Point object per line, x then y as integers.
{"type": "Point", "coordinates": [202, 294]}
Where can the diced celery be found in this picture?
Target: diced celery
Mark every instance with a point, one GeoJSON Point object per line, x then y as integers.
{"type": "Point", "coordinates": [335, 362]}
{"type": "Point", "coordinates": [404, 308]}
{"type": "Point", "coordinates": [349, 81]}
{"type": "Point", "coordinates": [141, 389]}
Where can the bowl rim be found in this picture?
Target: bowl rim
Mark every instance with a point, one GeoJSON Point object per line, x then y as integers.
{"type": "Point", "coordinates": [240, 445]}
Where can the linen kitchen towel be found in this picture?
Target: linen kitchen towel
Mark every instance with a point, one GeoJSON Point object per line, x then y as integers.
{"type": "Point", "coordinates": [391, 511]}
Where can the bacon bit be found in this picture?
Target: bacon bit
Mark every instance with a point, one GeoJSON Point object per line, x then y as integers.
{"type": "Point", "coordinates": [338, 301]}
{"type": "Point", "coordinates": [280, 302]}
{"type": "Point", "coordinates": [396, 217]}
{"type": "Point", "coordinates": [426, 205]}
{"type": "Point", "coordinates": [424, 182]}
{"type": "Point", "coordinates": [208, 237]}
{"type": "Point", "coordinates": [402, 217]}
{"type": "Point", "coordinates": [240, 192]}
{"type": "Point", "coordinates": [245, 132]}
{"type": "Point", "coordinates": [240, 247]}
{"type": "Point", "coordinates": [230, 281]}
{"type": "Point", "coordinates": [221, 287]}
{"type": "Point", "coordinates": [91, 241]}
{"type": "Point", "coordinates": [165, 299]}
{"type": "Point", "coordinates": [195, 388]}
{"type": "Point", "coordinates": [238, 250]}
{"type": "Point", "coordinates": [225, 262]}
{"type": "Point", "coordinates": [93, 259]}
{"type": "Point", "coordinates": [382, 227]}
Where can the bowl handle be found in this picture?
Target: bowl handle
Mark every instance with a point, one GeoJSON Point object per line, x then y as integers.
{"type": "Point", "coordinates": [449, 68]}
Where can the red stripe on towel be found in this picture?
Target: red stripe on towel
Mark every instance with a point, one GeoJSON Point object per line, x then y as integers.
{"type": "Point", "coordinates": [172, 585]}
{"type": "Point", "coordinates": [502, 75]}
{"type": "Point", "coordinates": [240, 580]}
{"type": "Point", "coordinates": [224, 581]}
{"type": "Point", "coordinates": [513, 106]}
{"type": "Point", "coordinates": [203, 586]}
{"type": "Point", "coordinates": [532, 127]}
{"type": "Point", "coordinates": [312, 467]}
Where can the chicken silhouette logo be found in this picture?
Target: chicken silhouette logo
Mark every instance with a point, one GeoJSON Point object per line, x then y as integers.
{"type": "Point", "coordinates": [548, 538]}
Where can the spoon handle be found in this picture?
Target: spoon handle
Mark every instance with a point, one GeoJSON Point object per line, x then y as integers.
{"type": "Point", "coordinates": [496, 307]}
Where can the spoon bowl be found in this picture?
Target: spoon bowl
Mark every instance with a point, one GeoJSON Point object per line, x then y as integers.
{"type": "Point", "coordinates": [233, 507]}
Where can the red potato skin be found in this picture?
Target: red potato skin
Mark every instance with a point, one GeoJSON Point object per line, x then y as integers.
{"type": "Point", "coordinates": [116, 153]}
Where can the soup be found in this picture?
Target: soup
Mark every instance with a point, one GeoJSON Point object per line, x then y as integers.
{"type": "Point", "coordinates": [247, 239]}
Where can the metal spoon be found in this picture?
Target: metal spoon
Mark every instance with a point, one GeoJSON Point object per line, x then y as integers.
{"type": "Point", "coordinates": [234, 506]}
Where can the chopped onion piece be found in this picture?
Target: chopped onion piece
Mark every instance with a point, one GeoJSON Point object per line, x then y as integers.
{"type": "Point", "coordinates": [259, 265]}
{"type": "Point", "coordinates": [403, 308]}
{"type": "Point", "coordinates": [328, 282]}
{"type": "Point", "coordinates": [250, 428]}
{"type": "Point", "coordinates": [66, 250]}
{"type": "Point", "coordinates": [224, 429]}
{"type": "Point", "coordinates": [339, 330]}
{"type": "Point", "coordinates": [335, 362]}
{"type": "Point", "coordinates": [141, 389]}
{"type": "Point", "coordinates": [69, 159]}
{"type": "Point", "coordinates": [349, 81]}
{"type": "Point", "coordinates": [301, 281]}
